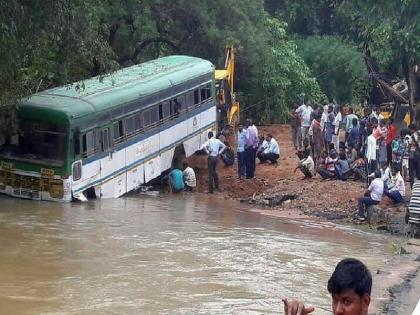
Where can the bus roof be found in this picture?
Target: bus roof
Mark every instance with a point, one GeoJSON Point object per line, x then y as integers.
{"type": "Point", "coordinates": [91, 96]}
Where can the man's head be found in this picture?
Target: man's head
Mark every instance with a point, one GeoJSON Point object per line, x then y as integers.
{"type": "Point", "coordinates": [413, 128]}
{"type": "Point", "coordinates": [210, 134]}
{"type": "Point", "coordinates": [374, 122]}
{"type": "Point", "coordinates": [350, 287]}
{"type": "Point", "coordinates": [377, 110]}
{"type": "Point", "coordinates": [240, 127]}
{"type": "Point", "coordinates": [350, 110]}
{"type": "Point", "coordinates": [330, 108]}
{"type": "Point", "coordinates": [269, 137]}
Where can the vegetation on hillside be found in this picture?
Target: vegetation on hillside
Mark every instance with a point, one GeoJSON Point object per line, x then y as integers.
{"type": "Point", "coordinates": [285, 49]}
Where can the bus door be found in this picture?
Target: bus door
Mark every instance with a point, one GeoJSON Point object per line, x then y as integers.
{"type": "Point", "coordinates": [113, 164]}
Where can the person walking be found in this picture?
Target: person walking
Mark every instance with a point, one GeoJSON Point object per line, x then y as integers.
{"type": "Point", "coordinates": [305, 114]}
{"type": "Point", "coordinates": [240, 151]}
{"type": "Point", "coordinates": [213, 147]}
{"type": "Point", "coordinates": [251, 144]}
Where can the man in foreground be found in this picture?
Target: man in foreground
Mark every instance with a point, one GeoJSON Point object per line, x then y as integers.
{"type": "Point", "coordinates": [350, 287]}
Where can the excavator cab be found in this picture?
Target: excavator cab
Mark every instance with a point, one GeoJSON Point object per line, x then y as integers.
{"type": "Point", "coordinates": [227, 106]}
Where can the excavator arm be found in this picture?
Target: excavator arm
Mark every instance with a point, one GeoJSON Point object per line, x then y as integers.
{"type": "Point", "coordinates": [226, 91]}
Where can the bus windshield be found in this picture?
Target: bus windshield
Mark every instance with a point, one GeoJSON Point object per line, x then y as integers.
{"type": "Point", "coordinates": [37, 142]}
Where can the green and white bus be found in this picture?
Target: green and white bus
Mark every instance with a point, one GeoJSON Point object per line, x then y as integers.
{"type": "Point", "coordinates": [104, 137]}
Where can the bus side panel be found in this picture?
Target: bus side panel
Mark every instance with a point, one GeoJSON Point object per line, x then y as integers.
{"type": "Point", "coordinates": [152, 168]}
{"type": "Point", "coordinates": [208, 117]}
{"type": "Point", "coordinates": [193, 144]}
{"type": "Point", "coordinates": [135, 177]}
{"type": "Point", "coordinates": [170, 138]}
{"type": "Point", "coordinates": [111, 186]}
{"type": "Point", "coordinates": [114, 187]}
{"type": "Point", "coordinates": [90, 174]}
{"type": "Point", "coordinates": [166, 159]}
{"type": "Point", "coordinates": [172, 135]}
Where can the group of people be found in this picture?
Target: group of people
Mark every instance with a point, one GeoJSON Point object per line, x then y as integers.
{"type": "Point", "coordinates": [179, 180]}
{"type": "Point", "coordinates": [336, 143]}
{"type": "Point", "coordinates": [250, 146]}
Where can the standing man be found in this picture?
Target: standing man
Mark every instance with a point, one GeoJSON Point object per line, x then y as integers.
{"type": "Point", "coordinates": [305, 114]}
{"type": "Point", "coordinates": [295, 126]}
{"type": "Point", "coordinates": [213, 147]}
{"type": "Point", "coordinates": [350, 121]}
{"type": "Point", "coordinates": [391, 135]}
{"type": "Point", "coordinates": [251, 144]}
{"type": "Point", "coordinates": [241, 138]}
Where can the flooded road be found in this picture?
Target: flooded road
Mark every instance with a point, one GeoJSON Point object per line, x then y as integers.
{"type": "Point", "coordinates": [160, 255]}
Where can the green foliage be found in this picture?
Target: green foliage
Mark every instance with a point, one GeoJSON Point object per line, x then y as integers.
{"type": "Point", "coordinates": [50, 43]}
{"type": "Point", "coordinates": [338, 66]}
{"type": "Point", "coordinates": [286, 78]}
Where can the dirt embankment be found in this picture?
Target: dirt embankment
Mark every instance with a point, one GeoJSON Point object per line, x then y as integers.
{"type": "Point", "coordinates": [314, 197]}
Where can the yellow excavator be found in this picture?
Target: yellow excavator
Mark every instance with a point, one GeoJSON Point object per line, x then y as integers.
{"type": "Point", "coordinates": [228, 107]}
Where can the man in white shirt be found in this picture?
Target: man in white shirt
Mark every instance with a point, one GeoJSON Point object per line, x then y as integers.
{"type": "Point", "coordinates": [377, 114]}
{"type": "Point", "coordinates": [305, 111]}
{"type": "Point", "coordinates": [190, 180]}
{"type": "Point", "coordinates": [373, 196]}
{"type": "Point", "coordinates": [396, 190]}
{"type": "Point", "coordinates": [271, 152]}
{"type": "Point", "coordinates": [306, 164]}
{"type": "Point", "coordinates": [213, 147]}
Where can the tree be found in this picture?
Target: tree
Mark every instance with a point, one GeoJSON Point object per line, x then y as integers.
{"type": "Point", "coordinates": [388, 31]}
{"type": "Point", "coordinates": [338, 66]}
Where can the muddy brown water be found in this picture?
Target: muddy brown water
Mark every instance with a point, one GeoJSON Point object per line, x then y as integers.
{"type": "Point", "coordinates": [166, 255]}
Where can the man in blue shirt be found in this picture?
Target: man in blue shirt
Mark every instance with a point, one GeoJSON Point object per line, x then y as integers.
{"type": "Point", "coordinates": [353, 136]}
{"type": "Point", "coordinates": [241, 138]}
{"type": "Point", "coordinates": [176, 180]}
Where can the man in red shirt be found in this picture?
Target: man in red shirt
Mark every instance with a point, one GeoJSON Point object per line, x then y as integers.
{"type": "Point", "coordinates": [392, 131]}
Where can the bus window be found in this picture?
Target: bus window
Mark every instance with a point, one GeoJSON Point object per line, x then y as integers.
{"type": "Point", "coordinates": [190, 100]}
{"type": "Point", "coordinates": [196, 97]}
{"type": "Point", "coordinates": [137, 122]}
{"type": "Point", "coordinates": [154, 115]}
{"type": "Point", "coordinates": [203, 94]}
{"type": "Point", "coordinates": [105, 140]}
{"type": "Point", "coordinates": [89, 143]}
{"type": "Point", "coordinates": [164, 111]}
{"type": "Point", "coordinates": [182, 104]}
{"type": "Point", "coordinates": [146, 118]}
{"type": "Point", "coordinates": [129, 126]}
{"type": "Point", "coordinates": [175, 107]}
{"type": "Point", "coordinates": [208, 92]}
{"type": "Point", "coordinates": [118, 131]}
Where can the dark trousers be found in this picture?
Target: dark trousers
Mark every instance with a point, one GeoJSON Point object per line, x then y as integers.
{"type": "Point", "coordinates": [389, 153]}
{"type": "Point", "coordinates": [414, 169]}
{"type": "Point", "coordinates": [272, 157]}
{"type": "Point", "coordinates": [305, 171]}
{"type": "Point", "coordinates": [365, 201]}
{"type": "Point", "coordinates": [241, 164]}
{"type": "Point", "coordinates": [296, 138]}
{"type": "Point", "coordinates": [213, 178]}
{"type": "Point", "coordinates": [325, 174]}
{"type": "Point", "coordinates": [250, 162]}
{"type": "Point", "coordinates": [395, 196]}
